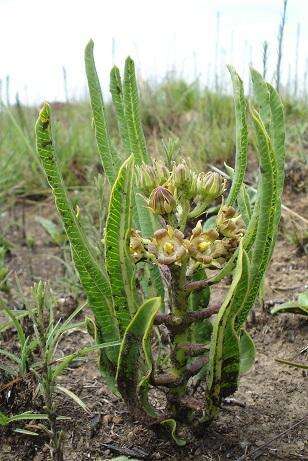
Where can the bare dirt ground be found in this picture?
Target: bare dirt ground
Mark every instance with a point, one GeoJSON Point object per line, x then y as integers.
{"type": "Point", "coordinates": [273, 395]}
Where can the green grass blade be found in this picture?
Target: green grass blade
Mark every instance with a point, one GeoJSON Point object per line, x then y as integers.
{"type": "Point", "coordinates": [95, 282]}
{"type": "Point", "coordinates": [241, 136]}
{"type": "Point", "coordinates": [119, 264]}
{"type": "Point", "coordinates": [116, 90]}
{"type": "Point", "coordinates": [16, 323]}
{"type": "Point", "coordinates": [132, 114]}
{"type": "Point", "coordinates": [135, 360]}
{"type": "Point", "coordinates": [109, 160]}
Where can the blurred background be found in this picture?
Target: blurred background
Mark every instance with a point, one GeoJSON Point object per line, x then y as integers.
{"type": "Point", "coordinates": [43, 43]}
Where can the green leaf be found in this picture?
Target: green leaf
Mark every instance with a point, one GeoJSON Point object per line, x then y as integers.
{"type": "Point", "coordinates": [116, 90]}
{"type": "Point", "coordinates": [135, 359]}
{"type": "Point", "coordinates": [119, 264]}
{"type": "Point", "coordinates": [10, 355]}
{"type": "Point", "coordinates": [20, 314]}
{"type": "Point", "coordinates": [170, 424]}
{"type": "Point", "coordinates": [130, 127]}
{"type": "Point", "coordinates": [73, 397]}
{"type": "Point", "coordinates": [15, 321]}
{"type": "Point", "coordinates": [241, 136]}
{"type": "Point", "coordinates": [277, 133]}
{"type": "Point", "coordinates": [224, 361]}
{"type": "Point", "coordinates": [272, 116]}
{"type": "Point", "coordinates": [132, 114]}
{"type": "Point", "coordinates": [247, 352]}
{"type": "Point", "coordinates": [109, 160]}
{"type": "Point", "coordinates": [25, 432]}
{"type": "Point", "coordinates": [27, 416]}
{"type": "Point", "coordinates": [244, 204]}
{"type": "Point", "coordinates": [262, 97]}
{"type": "Point", "coordinates": [52, 229]}
{"type": "Point", "coordinates": [93, 278]}
{"type": "Point", "coordinates": [268, 203]}
{"type": "Point", "coordinates": [65, 361]}
{"type": "Point", "coordinates": [293, 307]}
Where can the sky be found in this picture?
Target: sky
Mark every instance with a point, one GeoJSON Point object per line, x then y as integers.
{"type": "Point", "coordinates": [38, 38]}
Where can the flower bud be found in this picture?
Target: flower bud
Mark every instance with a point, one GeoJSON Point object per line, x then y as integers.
{"type": "Point", "coordinates": [162, 201]}
{"type": "Point", "coordinates": [161, 172]}
{"type": "Point", "coordinates": [146, 178]}
{"type": "Point", "coordinates": [184, 180]}
{"type": "Point", "coordinates": [151, 176]}
{"type": "Point", "coordinates": [210, 185]}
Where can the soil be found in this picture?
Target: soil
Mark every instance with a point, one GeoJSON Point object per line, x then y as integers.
{"type": "Point", "coordinates": [272, 398]}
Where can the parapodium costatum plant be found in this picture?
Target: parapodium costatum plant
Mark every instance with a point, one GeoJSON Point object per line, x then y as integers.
{"type": "Point", "coordinates": [171, 235]}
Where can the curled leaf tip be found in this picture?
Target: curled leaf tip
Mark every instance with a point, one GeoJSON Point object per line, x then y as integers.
{"type": "Point", "coordinates": [44, 115]}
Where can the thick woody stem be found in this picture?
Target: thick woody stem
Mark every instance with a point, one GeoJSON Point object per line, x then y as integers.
{"type": "Point", "coordinates": [199, 284]}
{"type": "Point", "coordinates": [176, 324]}
{"type": "Point", "coordinates": [172, 381]}
{"type": "Point", "coordinates": [193, 350]}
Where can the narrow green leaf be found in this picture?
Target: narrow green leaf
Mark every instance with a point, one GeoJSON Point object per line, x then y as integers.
{"type": "Point", "coordinates": [170, 424]}
{"type": "Point", "coordinates": [241, 136]}
{"type": "Point", "coordinates": [262, 97]}
{"type": "Point", "coordinates": [268, 202]}
{"type": "Point", "coordinates": [244, 204]}
{"type": "Point", "coordinates": [116, 90]}
{"type": "Point", "coordinates": [10, 355]}
{"type": "Point", "coordinates": [73, 397]}
{"type": "Point", "coordinates": [109, 160]}
{"type": "Point", "coordinates": [247, 352]}
{"type": "Point", "coordinates": [20, 314]}
{"type": "Point", "coordinates": [25, 432]}
{"type": "Point", "coordinates": [64, 362]}
{"type": "Point", "coordinates": [119, 264]}
{"type": "Point", "coordinates": [277, 133]}
{"type": "Point", "coordinates": [15, 321]}
{"type": "Point", "coordinates": [132, 114]}
{"type": "Point", "coordinates": [94, 280]}
{"type": "Point", "coordinates": [135, 360]}
{"type": "Point", "coordinates": [224, 362]}
{"type": "Point", "coordinates": [27, 416]}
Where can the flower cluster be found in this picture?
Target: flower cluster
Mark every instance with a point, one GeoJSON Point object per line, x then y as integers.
{"type": "Point", "coordinates": [168, 192]}
{"type": "Point", "coordinates": [210, 248]}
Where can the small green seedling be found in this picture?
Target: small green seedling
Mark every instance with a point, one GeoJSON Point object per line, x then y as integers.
{"type": "Point", "coordinates": [164, 254]}
{"type": "Point", "coordinates": [37, 361]}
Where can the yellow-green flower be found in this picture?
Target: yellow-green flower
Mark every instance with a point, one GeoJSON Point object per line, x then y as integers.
{"type": "Point", "coordinates": [229, 223]}
{"type": "Point", "coordinates": [136, 245]}
{"type": "Point", "coordinates": [201, 244]}
{"type": "Point", "coordinates": [168, 245]}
